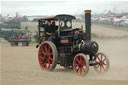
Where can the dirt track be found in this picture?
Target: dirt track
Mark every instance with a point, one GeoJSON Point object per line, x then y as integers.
{"type": "Point", "coordinates": [19, 66]}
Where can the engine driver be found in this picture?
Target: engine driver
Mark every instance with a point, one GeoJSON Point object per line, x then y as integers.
{"type": "Point", "coordinates": [48, 29]}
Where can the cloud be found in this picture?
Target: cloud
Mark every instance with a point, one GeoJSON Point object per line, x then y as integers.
{"type": "Point", "coordinates": [0, 7]}
{"type": "Point", "coordinates": [53, 7]}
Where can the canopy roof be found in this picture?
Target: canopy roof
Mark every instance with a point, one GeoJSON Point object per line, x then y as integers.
{"type": "Point", "coordinates": [48, 18]}
{"type": "Point", "coordinates": [54, 17]}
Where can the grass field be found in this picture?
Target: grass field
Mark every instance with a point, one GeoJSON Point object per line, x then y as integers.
{"type": "Point", "coordinates": [100, 31]}
{"type": "Point", "coordinates": [115, 27]}
{"type": "Point", "coordinates": [32, 26]}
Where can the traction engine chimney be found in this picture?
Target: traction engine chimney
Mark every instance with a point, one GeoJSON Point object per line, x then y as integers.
{"type": "Point", "coordinates": [88, 24]}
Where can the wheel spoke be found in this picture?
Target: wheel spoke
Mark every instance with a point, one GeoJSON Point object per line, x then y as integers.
{"type": "Point", "coordinates": [104, 63]}
{"type": "Point", "coordinates": [77, 69]}
{"type": "Point", "coordinates": [42, 58]}
{"type": "Point", "coordinates": [101, 57]}
{"type": "Point", "coordinates": [43, 52]}
{"type": "Point", "coordinates": [78, 60]}
{"type": "Point", "coordinates": [50, 59]}
{"type": "Point", "coordinates": [104, 59]}
{"type": "Point", "coordinates": [98, 58]}
{"type": "Point", "coordinates": [81, 61]}
{"type": "Point", "coordinates": [45, 64]}
{"type": "Point", "coordinates": [103, 67]}
{"type": "Point", "coordinates": [45, 47]}
{"type": "Point", "coordinates": [50, 54]}
{"type": "Point", "coordinates": [49, 64]}
{"type": "Point", "coordinates": [84, 65]}
{"type": "Point", "coordinates": [49, 48]}
{"type": "Point", "coordinates": [97, 61]}
{"type": "Point", "coordinates": [97, 66]}
{"type": "Point", "coordinates": [80, 70]}
{"type": "Point", "coordinates": [84, 70]}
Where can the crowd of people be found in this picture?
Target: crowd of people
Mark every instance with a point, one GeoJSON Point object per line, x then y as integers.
{"type": "Point", "coordinates": [22, 36]}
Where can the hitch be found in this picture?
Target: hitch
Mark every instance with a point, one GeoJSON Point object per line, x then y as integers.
{"type": "Point", "coordinates": [37, 46]}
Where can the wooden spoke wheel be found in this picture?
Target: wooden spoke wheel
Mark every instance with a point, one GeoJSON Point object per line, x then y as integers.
{"type": "Point", "coordinates": [47, 56]}
{"type": "Point", "coordinates": [27, 43]}
{"type": "Point", "coordinates": [102, 62]}
{"type": "Point", "coordinates": [12, 44]}
{"type": "Point", "coordinates": [16, 43]}
{"type": "Point", "coordinates": [81, 64]}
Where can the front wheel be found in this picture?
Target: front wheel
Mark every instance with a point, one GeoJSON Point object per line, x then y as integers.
{"type": "Point", "coordinates": [48, 55]}
{"type": "Point", "coordinates": [12, 44]}
{"type": "Point", "coordinates": [16, 43]}
{"type": "Point", "coordinates": [81, 64]}
{"type": "Point", "coordinates": [102, 62]}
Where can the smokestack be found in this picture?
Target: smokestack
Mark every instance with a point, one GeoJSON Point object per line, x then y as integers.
{"type": "Point", "coordinates": [88, 24]}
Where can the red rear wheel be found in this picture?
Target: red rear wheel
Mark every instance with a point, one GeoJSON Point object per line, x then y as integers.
{"type": "Point", "coordinates": [81, 64]}
{"type": "Point", "coordinates": [47, 56]}
{"type": "Point", "coordinates": [103, 62]}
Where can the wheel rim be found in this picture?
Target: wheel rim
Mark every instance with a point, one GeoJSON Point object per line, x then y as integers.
{"type": "Point", "coordinates": [45, 56]}
{"type": "Point", "coordinates": [102, 62]}
{"type": "Point", "coordinates": [80, 65]}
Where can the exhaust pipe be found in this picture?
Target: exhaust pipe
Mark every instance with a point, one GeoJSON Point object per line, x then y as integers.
{"type": "Point", "coordinates": [88, 24]}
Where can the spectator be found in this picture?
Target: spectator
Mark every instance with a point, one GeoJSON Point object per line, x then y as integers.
{"type": "Point", "coordinates": [20, 36]}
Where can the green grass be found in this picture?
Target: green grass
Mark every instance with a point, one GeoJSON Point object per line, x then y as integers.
{"type": "Point", "coordinates": [2, 40]}
{"type": "Point", "coordinates": [32, 26]}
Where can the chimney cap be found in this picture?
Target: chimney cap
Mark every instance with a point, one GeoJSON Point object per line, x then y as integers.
{"type": "Point", "coordinates": [87, 11]}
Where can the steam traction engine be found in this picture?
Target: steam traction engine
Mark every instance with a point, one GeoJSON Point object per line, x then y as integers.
{"type": "Point", "coordinates": [68, 47]}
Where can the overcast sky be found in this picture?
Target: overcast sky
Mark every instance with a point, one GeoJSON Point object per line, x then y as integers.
{"type": "Point", "coordinates": [53, 7]}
